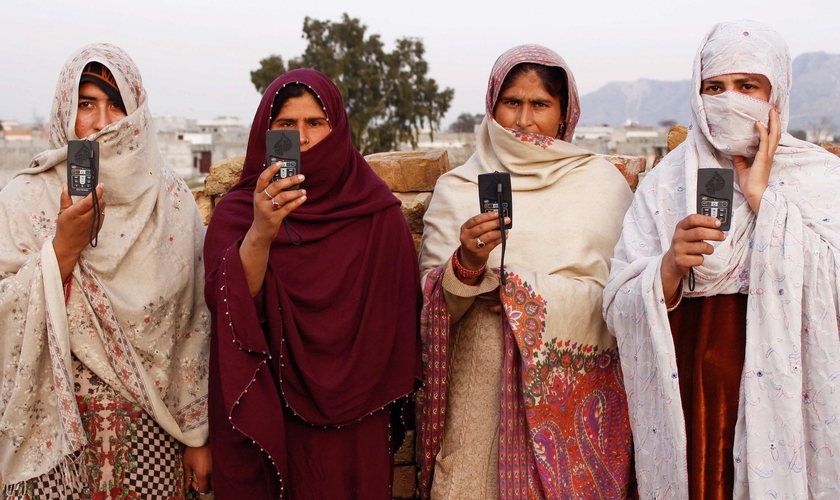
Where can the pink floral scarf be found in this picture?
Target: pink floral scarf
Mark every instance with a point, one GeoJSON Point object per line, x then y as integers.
{"type": "Point", "coordinates": [134, 314]}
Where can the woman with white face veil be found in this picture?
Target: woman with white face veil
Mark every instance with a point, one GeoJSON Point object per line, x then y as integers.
{"type": "Point", "coordinates": [733, 380]}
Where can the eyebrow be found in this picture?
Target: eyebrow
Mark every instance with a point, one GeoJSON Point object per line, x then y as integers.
{"type": "Point", "coordinates": [532, 101]}
{"type": "Point", "coordinates": [746, 79]}
{"type": "Point", "coordinates": [86, 97]}
{"type": "Point", "coordinates": [308, 118]}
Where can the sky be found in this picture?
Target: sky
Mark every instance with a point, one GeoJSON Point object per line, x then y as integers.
{"type": "Point", "coordinates": [196, 57]}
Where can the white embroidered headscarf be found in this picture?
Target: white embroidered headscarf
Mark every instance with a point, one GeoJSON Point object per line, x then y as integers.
{"type": "Point", "coordinates": [135, 315]}
{"type": "Point", "coordinates": [786, 259]}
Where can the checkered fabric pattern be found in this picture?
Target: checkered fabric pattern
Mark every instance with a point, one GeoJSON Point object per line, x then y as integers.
{"type": "Point", "coordinates": [50, 487]}
{"type": "Point", "coordinates": [157, 455]}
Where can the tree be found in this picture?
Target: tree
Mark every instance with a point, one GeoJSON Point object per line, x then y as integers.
{"type": "Point", "coordinates": [388, 96]}
{"type": "Point", "coordinates": [270, 68]}
{"type": "Point", "coordinates": [466, 123]}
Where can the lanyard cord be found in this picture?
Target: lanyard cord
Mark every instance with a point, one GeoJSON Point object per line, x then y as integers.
{"type": "Point", "coordinates": [97, 215]}
{"type": "Point", "coordinates": [502, 229]}
{"type": "Point", "coordinates": [287, 226]}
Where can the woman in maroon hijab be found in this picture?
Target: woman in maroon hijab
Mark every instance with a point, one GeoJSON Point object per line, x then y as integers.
{"type": "Point", "coordinates": [314, 326]}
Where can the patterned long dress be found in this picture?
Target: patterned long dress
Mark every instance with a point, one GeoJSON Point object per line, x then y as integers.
{"type": "Point", "coordinates": [128, 454]}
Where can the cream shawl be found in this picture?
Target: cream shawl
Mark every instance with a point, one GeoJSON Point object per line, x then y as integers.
{"type": "Point", "coordinates": [567, 216]}
{"type": "Point", "coordinates": [788, 431]}
{"type": "Point", "coordinates": [135, 315]}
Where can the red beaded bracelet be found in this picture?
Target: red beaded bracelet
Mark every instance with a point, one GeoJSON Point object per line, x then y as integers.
{"type": "Point", "coordinates": [462, 272]}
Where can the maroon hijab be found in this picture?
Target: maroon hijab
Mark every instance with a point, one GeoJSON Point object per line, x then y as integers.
{"type": "Point", "coordinates": [339, 325]}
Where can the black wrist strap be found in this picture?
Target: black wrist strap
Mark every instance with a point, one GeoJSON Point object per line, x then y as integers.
{"type": "Point", "coordinates": [502, 229]}
{"type": "Point", "coordinates": [97, 214]}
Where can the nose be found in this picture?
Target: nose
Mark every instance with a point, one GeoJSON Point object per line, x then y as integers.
{"type": "Point", "coordinates": [102, 119]}
{"type": "Point", "coordinates": [525, 118]}
{"type": "Point", "coordinates": [304, 137]}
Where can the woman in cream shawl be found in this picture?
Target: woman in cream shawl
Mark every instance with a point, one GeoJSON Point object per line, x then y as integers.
{"type": "Point", "coordinates": [736, 393]}
{"type": "Point", "coordinates": [104, 373]}
{"type": "Point", "coordinates": [523, 395]}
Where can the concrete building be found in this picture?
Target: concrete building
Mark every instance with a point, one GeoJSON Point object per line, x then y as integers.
{"type": "Point", "coordinates": [631, 140]}
{"type": "Point", "coordinates": [191, 146]}
{"type": "Point", "coordinates": [188, 146]}
{"type": "Point", "coordinates": [459, 145]}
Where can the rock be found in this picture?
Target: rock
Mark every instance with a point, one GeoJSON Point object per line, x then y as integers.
{"type": "Point", "coordinates": [629, 166]}
{"type": "Point", "coordinates": [405, 482]}
{"type": "Point", "coordinates": [656, 160]}
{"type": "Point", "coordinates": [223, 175]}
{"type": "Point", "coordinates": [414, 206]}
{"type": "Point", "coordinates": [205, 204]}
{"type": "Point", "coordinates": [676, 136]}
{"type": "Point", "coordinates": [410, 171]}
{"type": "Point", "coordinates": [831, 148]}
{"type": "Point", "coordinates": [405, 455]}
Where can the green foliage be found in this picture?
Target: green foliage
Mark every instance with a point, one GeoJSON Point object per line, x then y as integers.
{"type": "Point", "coordinates": [466, 123]}
{"type": "Point", "coordinates": [388, 96]}
{"type": "Point", "coordinates": [270, 68]}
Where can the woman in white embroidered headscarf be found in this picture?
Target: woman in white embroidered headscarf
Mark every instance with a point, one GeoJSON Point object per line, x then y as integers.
{"type": "Point", "coordinates": [529, 404]}
{"type": "Point", "coordinates": [104, 349]}
{"type": "Point", "coordinates": [733, 376]}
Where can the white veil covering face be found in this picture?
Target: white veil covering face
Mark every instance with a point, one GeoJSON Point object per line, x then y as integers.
{"type": "Point", "coordinates": [786, 259]}
{"type": "Point", "coordinates": [135, 314]}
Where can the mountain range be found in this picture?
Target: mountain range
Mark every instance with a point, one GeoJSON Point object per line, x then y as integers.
{"type": "Point", "coordinates": [815, 98]}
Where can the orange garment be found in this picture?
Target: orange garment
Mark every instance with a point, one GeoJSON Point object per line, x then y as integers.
{"type": "Point", "coordinates": [709, 340]}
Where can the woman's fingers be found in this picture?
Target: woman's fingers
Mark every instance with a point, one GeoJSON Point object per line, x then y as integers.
{"type": "Point", "coordinates": [264, 182]}
{"type": "Point", "coordinates": [489, 220]}
{"type": "Point", "coordinates": [690, 241]}
{"type": "Point", "coordinates": [701, 234]}
{"type": "Point", "coordinates": [288, 204]}
{"type": "Point", "coordinates": [697, 220]}
{"type": "Point", "coordinates": [282, 185]}
{"type": "Point", "coordinates": [775, 132]}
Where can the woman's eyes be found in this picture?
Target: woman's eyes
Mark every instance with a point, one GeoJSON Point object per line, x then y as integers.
{"type": "Point", "coordinates": [85, 104]}
{"type": "Point", "coordinates": [311, 123]}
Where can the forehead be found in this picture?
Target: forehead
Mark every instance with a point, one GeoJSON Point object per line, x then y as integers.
{"type": "Point", "coordinates": [527, 84]}
{"type": "Point", "coordinates": [301, 106]}
{"type": "Point", "coordinates": [89, 89]}
{"type": "Point", "coordinates": [738, 78]}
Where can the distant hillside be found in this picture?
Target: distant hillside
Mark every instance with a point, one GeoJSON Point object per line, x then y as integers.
{"type": "Point", "coordinates": [815, 98]}
{"type": "Point", "coordinates": [646, 102]}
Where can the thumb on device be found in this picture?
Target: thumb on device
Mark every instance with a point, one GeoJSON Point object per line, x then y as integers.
{"type": "Point", "coordinates": [66, 200]}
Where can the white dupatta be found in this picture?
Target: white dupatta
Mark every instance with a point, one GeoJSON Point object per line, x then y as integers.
{"type": "Point", "coordinates": [135, 315]}
{"type": "Point", "coordinates": [788, 429]}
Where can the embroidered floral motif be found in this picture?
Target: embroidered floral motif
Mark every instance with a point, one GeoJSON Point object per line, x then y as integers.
{"type": "Point", "coordinates": [579, 442]}
{"type": "Point", "coordinates": [537, 139]}
{"type": "Point", "coordinates": [564, 428]}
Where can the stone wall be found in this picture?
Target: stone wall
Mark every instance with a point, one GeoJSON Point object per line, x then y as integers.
{"type": "Point", "coordinates": [678, 133]}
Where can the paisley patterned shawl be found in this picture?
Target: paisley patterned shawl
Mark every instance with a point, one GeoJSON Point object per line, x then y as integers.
{"type": "Point", "coordinates": [135, 314]}
{"type": "Point", "coordinates": [560, 380]}
{"type": "Point", "coordinates": [785, 259]}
